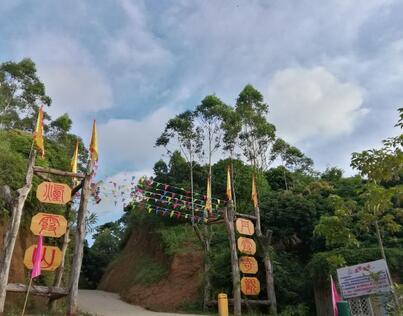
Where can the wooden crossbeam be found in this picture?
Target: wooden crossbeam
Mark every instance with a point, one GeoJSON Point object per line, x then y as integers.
{"type": "Point", "coordinates": [252, 217]}
{"type": "Point", "coordinates": [48, 291]}
{"type": "Point", "coordinates": [57, 172]}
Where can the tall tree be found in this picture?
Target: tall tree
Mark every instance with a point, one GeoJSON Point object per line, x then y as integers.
{"type": "Point", "coordinates": [188, 137]}
{"type": "Point", "coordinates": [21, 94]}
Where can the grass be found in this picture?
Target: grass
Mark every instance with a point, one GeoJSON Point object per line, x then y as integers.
{"type": "Point", "coordinates": [149, 271]}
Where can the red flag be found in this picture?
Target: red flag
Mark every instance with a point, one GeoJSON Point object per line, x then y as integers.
{"type": "Point", "coordinates": [335, 297]}
{"type": "Point", "coordinates": [36, 269]}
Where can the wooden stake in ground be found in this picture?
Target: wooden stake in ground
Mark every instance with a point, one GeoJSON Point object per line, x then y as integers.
{"type": "Point", "coordinates": [16, 205]}
{"type": "Point", "coordinates": [264, 243]}
{"type": "Point", "coordinates": [229, 218]}
{"type": "Point", "coordinates": [79, 246]}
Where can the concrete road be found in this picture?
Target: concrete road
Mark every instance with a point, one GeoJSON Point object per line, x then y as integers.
{"type": "Point", "coordinates": [102, 303]}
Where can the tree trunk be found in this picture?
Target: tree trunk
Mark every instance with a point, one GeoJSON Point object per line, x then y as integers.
{"type": "Point", "coordinates": [59, 272]}
{"type": "Point", "coordinates": [207, 266]}
{"type": "Point", "coordinates": [79, 246]}
{"type": "Point", "coordinates": [378, 236]}
{"type": "Point", "coordinates": [13, 228]}
{"type": "Point", "coordinates": [264, 243]}
{"type": "Point", "coordinates": [236, 279]}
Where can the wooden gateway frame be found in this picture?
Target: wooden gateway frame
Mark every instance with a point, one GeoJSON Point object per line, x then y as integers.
{"type": "Point", "coordinates": [230, 217]}
{"type": "Point", "coordinates": [17, 204]}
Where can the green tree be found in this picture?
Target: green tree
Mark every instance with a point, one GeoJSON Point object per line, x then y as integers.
{"type": "Point", "coordinates": [21, 94]}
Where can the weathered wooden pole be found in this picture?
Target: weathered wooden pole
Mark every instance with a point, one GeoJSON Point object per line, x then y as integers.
{"type": "Point", "coordinates": [17, 206]}
{"type": "Point", "coordinates": [59, 272]}
{"type": "Point", "coordinates": [229, 218]}
{"type": "Point", "coordinates": [79, 245]}
{"type": "Point", "coordinates": [264, 242]}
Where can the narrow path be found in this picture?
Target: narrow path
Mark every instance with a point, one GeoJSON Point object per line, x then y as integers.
{"type": "Point", "coordinates": [102, 303]}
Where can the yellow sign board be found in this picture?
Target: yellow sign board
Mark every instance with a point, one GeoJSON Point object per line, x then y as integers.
{"type": "Point", "coordinates": [250, 286]}
{"type": "Point", "coordinates": [54, 193]}
{"type": "Point", "coordinates": [245, 226]}
{"type": "Point", "coordinates": [248, 265]}
{"type": "Point", "coordinates": [246, 245]}
{"type": "Point", "coordinates": [49, 225]}
{"type": "Point", "coordinates": [51, 258]}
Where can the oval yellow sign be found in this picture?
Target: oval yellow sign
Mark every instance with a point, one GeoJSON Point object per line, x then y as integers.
{"type": "Point", "coordinates": [245, 226]}
{"type": "Point", "coordinates": [246, 245]}
{"type": "Point", "coordinates": [54, 193]}
{"type": "Point", "coordinates": [250, 286]}
{"type": "Point", "coordinates": [51, 258]}
{"type": "Point", "coordinates": [49, 225]}
{"type": "Point", "coordinates": [248, 265]}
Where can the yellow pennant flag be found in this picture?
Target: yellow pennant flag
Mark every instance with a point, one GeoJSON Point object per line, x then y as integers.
{"type": "Point", "coordinates": [254, 192]}
{"type": "Point", "coordinates": [74, 159]}
{"type": "Point", "coordinates": [229, 186]}
{"type": "Point", "coordinates": [208, 199]}
{"type": "Point", "coordinates": [94, 143]}
{"type": "Point", "coordinates": [38, 134]}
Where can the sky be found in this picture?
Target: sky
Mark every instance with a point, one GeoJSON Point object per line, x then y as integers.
{"type": "Point", "coordinates": [331, 71]}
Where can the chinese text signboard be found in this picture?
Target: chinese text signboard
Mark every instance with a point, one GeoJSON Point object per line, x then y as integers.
{"type": "Point", "coordinates": [245, 226]}
{"type": "Point", "coordinates": [250, 286]}
{"type": "Point", "coordinates": [248, 265]}
{"type": "Point", "coordinates": [246, 246]}
{"type": "Point", "coordinates": [54, 193]}
{"type": "Point", "coordinates": [364, 279]}
{"type": "Point", "coordinates": [51, 258]}
{"type": "Point", "coordinates": [49, 225]}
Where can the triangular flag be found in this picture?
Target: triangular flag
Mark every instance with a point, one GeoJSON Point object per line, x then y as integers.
{"type": "Point", "coordinates": [74, 162]}
{"type": "Point", "coordinates": [38, 133]}
{"type": "Point", "coordinates": [229, 186]}
{"type": "Point", "coordinates": [335, 297]}
{"type": "Point", "coordinates": [254, 192]}
{"type": "Point", "coordinates": [36, 268]}
{"type": "Point", "coordinates": [94, 143]}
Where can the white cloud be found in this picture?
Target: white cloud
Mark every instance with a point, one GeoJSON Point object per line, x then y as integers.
{"type": "Point", "coordinates": [75, 84]}
{"type": "Point", "coordinates": [135, 47]}
{"type": "Point", "coordinates": [132, 142]}
{"type": "Point", "coordinates": [307, 103]}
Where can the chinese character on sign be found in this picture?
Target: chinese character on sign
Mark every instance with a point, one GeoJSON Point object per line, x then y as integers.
{"type": "Point", "coordinates": [248, 265]}
{"type": "Point", "coordinates": [50, 261]}
{"type": "Point", "coordinates": [250, 286]}
{"type": "Point", "coordinates": [245, 226]}
{"type": "Point", "coordinates": [56, 193]}
{"type": "Point", "coordinates": [49, 223]}
{"type": "Point", "coordinates": [246, 245]}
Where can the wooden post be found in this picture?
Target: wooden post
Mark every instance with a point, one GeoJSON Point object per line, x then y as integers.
{"type": "Point", "coordinates": [264, 243]}
{"type": "Point", "coordinates": [236, 279]}
{"type": "Point", "coordinates": [10, 237]}
{"type": "Point", "coordinates": [59, 272]}
{"type": "Point", "coordinates": [79, 246]}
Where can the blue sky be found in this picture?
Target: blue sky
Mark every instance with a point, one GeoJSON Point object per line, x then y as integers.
{"type": "Point", "coordinates": [331, 71]}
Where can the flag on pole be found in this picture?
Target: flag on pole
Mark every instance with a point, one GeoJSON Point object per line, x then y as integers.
{"type": "Point", "coordinates": [335, 297]}
{"type": "Point", "coordinates": [36, 268]}
{"type": "Point", "coordinates": [94, 143]}
{"type": "Point", "coordinates": [229, 185]}
{"type": "Point", "coordinates": [74, 162]}
{"type": "Point", "coordinates": [208, 199]}
{"type": "Point", "coordinates": [254, 192]}
{"type": "Point", "coordinates": [38, 133]}
{"type": "Point", "coordinates": [74, 159]}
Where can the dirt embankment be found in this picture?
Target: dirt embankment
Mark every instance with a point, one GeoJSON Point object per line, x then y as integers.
{"type": "Point", "coordinates": [132, 274]}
